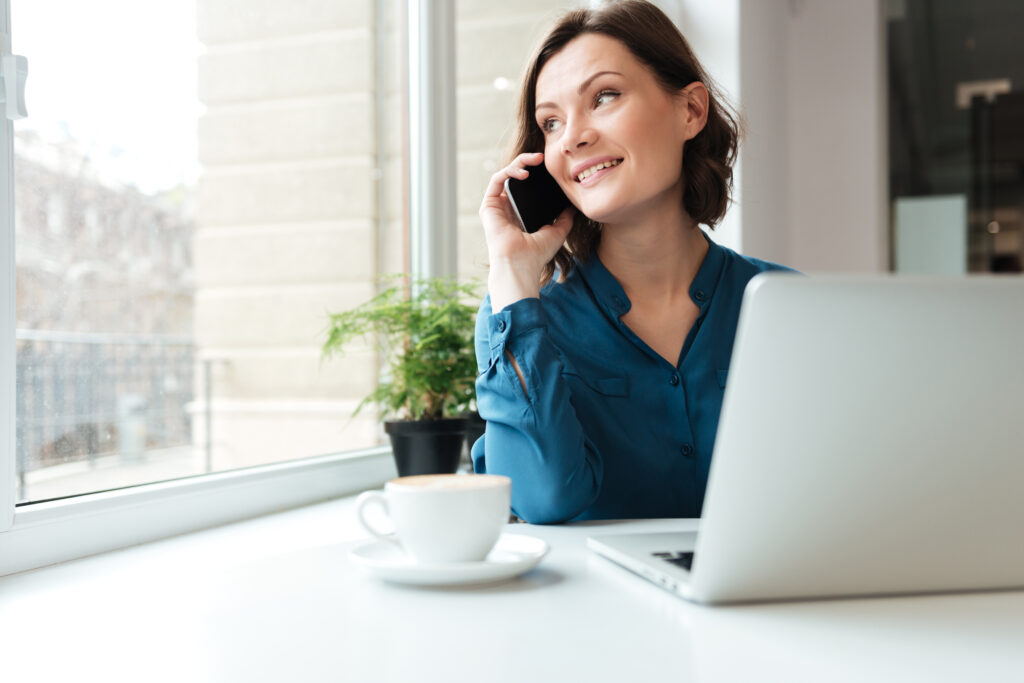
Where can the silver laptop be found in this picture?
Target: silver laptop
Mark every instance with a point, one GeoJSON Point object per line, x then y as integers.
{"type": "Point", "coordinates": [871, 442]}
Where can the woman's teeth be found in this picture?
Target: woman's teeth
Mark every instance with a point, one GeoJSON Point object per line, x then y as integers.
{"type": "Point", "coordinates": [595, 168]}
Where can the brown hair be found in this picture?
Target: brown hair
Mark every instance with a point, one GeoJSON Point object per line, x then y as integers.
{"type": "Point", "coordinates": [656, 42]}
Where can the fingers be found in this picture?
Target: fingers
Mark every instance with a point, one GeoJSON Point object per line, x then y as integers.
{"type": "Point", "coordinates": [516, 169]}
{"type": "Point", "coordinates": [563, 224]}
{"type": "Point", "coordinates": [528, 159]}
{"type": "Point", "coordinates": [565, 218]}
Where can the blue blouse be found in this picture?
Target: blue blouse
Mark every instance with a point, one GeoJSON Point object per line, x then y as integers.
{"type": "Point", "coordinates": [607, 429]}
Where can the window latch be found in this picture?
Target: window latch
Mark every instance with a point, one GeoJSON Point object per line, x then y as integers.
{"type": "Point", "coordinates": [13, 73]}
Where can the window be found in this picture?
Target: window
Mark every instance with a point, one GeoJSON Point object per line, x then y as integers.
{"type": "Point", "coordinates": [231, 189]}
{"type": "Point", "coordinates": [956, 136]}
{"type": "Point", "coordinates": [179, 245]}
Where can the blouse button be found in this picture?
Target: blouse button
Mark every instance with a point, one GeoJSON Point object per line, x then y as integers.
{"type": "Point", "coordinates": [687, 450]}
{"type": "Point", "coordinates": [674, 379]}
{"type": "Point", "coordinates": [699, 295]}
{"type": "Point", "coordinates": [501, 326]}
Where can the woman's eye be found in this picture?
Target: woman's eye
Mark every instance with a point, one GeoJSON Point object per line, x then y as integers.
{"type": "Point", "coordinates": [605, 96]}
{"type": "Point", "coordinates": [550, 125]}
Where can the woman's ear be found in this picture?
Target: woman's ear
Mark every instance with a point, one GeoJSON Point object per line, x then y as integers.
{"type": "Point", "coordinates": [694, 109]}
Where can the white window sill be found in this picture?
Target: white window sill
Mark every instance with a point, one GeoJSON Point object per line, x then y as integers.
{"type": "Point", "coordinates": [49, 533]}
{"type": "Point", "coordinates": [139, 614]}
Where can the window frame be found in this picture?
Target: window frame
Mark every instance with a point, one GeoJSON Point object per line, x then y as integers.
{"type": "Point", "coordinates": [42, 533]}
{"type": "Point", "coordinates": [7, 315]}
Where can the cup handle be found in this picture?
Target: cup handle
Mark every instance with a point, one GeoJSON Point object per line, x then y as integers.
{"type": "Point", "coordinates": [367, 499]}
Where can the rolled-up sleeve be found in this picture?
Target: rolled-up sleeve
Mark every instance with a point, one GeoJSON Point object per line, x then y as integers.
{"type": "Point", "coordinates": [534, 436]}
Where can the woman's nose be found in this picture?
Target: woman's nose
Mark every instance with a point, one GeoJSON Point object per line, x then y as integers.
{"type": "Point", "coordinates": [577, 135]}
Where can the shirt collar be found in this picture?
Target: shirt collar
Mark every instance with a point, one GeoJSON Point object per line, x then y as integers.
{"type": "Point", "coordinates": [612, 297]}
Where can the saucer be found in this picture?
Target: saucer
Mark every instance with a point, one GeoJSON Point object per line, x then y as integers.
{"type": "Point", "coordinates": [512, 555]}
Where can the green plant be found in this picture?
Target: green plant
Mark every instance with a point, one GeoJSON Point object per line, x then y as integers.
{"type": "Point", "coordinates": [426, 338]}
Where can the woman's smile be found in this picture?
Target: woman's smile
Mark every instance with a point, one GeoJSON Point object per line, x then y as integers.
{"type": "Point", "coordinates": [593, 170]}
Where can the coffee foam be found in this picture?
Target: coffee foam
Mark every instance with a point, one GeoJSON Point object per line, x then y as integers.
{"type": "Point", "coordinates": [450, 481]}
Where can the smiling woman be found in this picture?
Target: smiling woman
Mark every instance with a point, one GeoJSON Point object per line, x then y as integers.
{"type": "Point", "coordinates": [605, 339]}
{"type": "Point", "coordinates": [657, 55]}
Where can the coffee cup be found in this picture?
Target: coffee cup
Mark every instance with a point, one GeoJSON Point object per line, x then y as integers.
{"type": "Point", "coordinates": [441, 518]}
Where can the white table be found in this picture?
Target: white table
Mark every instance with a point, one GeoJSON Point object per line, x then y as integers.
{"type": "Point", "coordinates": [275, 599]}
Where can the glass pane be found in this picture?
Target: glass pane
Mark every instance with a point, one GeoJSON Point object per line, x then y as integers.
{"type": "Point", "coordinates": [956, 135]}
{"type": "Point", "coordinates": [197, 184]}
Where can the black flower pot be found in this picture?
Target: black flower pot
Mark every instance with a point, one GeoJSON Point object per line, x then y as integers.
{"type": "Point", "coordinates": [427, 446]}
{"type": "Point", "coordinates": [475, 428]}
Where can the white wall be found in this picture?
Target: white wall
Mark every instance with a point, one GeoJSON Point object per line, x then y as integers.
{"type": "Point", "coordinates": [813, 176]}
{"type": "Point", "coordinates": [764, 152]}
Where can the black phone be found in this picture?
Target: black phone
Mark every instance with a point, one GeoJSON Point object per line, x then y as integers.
{"type": "Point", "coordinates": [537, 199]}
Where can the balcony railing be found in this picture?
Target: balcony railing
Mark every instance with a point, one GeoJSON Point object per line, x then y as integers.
{"type": "Point", "coordinates": [82, 396]}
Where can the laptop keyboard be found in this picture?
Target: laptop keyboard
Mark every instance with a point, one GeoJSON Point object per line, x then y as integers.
{"type": "Point", "coordinates": [683, 560]}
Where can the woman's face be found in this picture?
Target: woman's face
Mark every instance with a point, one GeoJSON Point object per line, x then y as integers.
{"type": "Point", "coordinates": [613, 138]}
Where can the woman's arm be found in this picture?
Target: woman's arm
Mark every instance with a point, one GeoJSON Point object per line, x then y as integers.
{"type": "Point", "coordinates": [533, 434]}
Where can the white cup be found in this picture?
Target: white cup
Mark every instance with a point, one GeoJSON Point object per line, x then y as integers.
{"type": "Point", "coordinates": [441, 518]}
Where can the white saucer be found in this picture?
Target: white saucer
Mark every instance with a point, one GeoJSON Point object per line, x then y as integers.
{"type": "Point", "coordinates": [512, 555]}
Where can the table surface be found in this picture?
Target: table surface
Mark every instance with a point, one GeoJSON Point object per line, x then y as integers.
{"type": "Point", "coordinates": [276, 599]}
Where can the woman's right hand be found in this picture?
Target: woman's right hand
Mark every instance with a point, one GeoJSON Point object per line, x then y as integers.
{"type": "Point", "coordinates": [517, 258]}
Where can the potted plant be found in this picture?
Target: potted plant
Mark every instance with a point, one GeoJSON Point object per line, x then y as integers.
{"type": "Point", "coordinates": [424, 331]}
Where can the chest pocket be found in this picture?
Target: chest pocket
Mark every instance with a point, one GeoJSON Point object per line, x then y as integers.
{"type": "Point", "coordinates": [606, 386]}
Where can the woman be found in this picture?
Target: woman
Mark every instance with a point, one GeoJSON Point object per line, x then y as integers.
{"type": "Point", "coordinates": [605, 339]}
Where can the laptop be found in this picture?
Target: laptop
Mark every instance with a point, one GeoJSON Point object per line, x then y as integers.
{"type": "Point", "coordinates": [871, 442]}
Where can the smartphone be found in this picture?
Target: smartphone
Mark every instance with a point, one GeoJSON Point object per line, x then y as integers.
{"type": "Point", "coordinates": [537, 200]}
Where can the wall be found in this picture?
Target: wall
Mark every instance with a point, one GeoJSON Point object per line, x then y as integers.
{"type": "Point", "coordinates": [286, 222]}
{"type": "Point", "coordinates": [815, 164]}
{"type": "Point", "coordinates": [765, 151]}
